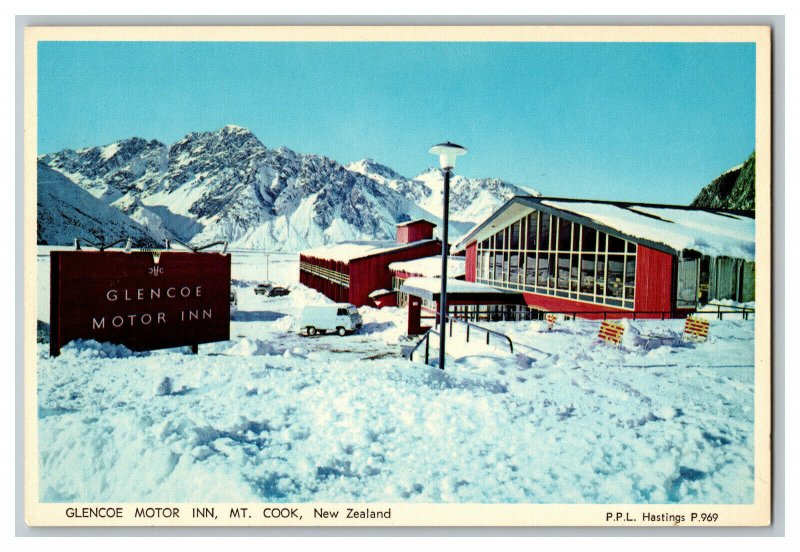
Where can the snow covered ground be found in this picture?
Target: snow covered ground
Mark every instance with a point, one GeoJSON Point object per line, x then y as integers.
{"type": "Point", "coordinates": [275, 416]}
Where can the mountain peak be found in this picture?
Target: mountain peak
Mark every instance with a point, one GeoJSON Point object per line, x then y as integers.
{"type": "Point", "coordinates": [370, 167]}
{"type": "Point", "coordinates": [234, 128]}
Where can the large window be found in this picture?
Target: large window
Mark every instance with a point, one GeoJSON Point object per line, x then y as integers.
{"type": "Point", "coordinates": [546, 254]}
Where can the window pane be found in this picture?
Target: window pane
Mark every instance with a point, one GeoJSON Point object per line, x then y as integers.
{"type": "Point", "coordinates": [533, 223]}
{"type": "Point", "coordinates": [513, 271]}
{"type": "Point", "coordinates": [616, 245]}
{"type": "Point", "coordinates": [562, 280]}
{"type": "Point", "coordinates": [485, 244]}
{"type": "Point", "coordinates": [630, 270]}
{"type": "Point", "coordinates": [515, 235]}
{"type": "Point", "coordinates": [573, 273]}
{"type": "Point", "coordinates": [504, 275]}
{"type": "Point", "coordinates": [543, 269]}
{"type": "Point", "coordinates": [499, 239]}
{"type": "Point", "coordinates": [601, 242]}
{"type": "Point", "coordinates": [576, 234]}
{"type": "Point", "coordinates": [631, 247]}
{"type": "Point", "coordinates": [544, 230]}
{"type": "Point", "coordinates": [687, 282]}
{"type": "Point", "coordinates": [614, 276]}
{"type": "Point", "coordinates": [589, 239]}
{"type": "Point", "coordinates": [564, 234]}
{"type": "Point", "coordinates": [498, 265]}
{"type": "Point", "coordinates": [628, 293]}
{"type": "Point", "coordinates": [553, 233]}
{"type": "Point", "coordinates": [587, 273]}
{"type": "Point", "coordinates": [551, 271]}
{"type": "Point", "coordinates": [600, 276]}
{"type": "Point", "coordinates": [530, 270]}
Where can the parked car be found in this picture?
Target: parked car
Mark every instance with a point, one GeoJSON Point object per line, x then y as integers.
{"type": "Point", "coordinates": [262, 289]}
{"type": "Point", "coordinates": [234, 302]}
{"type": "Point", "coordinates": [343, 318]}
{"type": "Point", "coordinates": [278, 292]}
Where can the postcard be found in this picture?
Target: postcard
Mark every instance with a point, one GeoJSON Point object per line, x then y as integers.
{"type": "Point", "coordinates": [397, 276]}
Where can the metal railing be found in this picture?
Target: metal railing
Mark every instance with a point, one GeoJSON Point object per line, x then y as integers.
{"type": "Point", "coordinates": [427, 337]}
{"type": "Point", "coordinates": [489, 332]}
{"type": "Point", "coordinates": [326, 273]}
{"type": "Point", "coordinates": [745, 311]}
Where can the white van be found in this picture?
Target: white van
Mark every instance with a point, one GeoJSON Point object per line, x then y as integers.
{"type": "Point", "coordinates": [342, 318]}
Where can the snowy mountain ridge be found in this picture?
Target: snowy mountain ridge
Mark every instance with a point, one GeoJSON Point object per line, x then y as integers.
{"type": "Point", "coordinates": [226, 185]}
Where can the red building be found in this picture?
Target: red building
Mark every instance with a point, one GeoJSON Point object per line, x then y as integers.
{"type": "Point", "coordinates": [586, 256]}
{"type": "Point", "coordinates": [349, 272]}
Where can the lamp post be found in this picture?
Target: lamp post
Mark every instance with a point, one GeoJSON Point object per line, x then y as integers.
{"type": "Point", "coordinates": [447, 153]}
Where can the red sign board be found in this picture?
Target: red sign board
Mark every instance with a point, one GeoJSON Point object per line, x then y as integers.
{"type": "Point", "coordinates": [140, 300]}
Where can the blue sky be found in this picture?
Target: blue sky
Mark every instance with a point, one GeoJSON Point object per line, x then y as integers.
{"type": "Point", "coordinates": [645, 122]}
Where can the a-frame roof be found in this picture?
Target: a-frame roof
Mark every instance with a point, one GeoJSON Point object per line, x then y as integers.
{"type": "Point", "coordinates": [669, 228]}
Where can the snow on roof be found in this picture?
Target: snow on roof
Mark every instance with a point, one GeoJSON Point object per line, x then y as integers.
{"type": "Point", "coordinates": [350, 250]}
{"type": "Point", "coordinates": [434, 285]}
{"type": "Point", "coordinates": [708, 233]}
{"type": "Point", "coordinates": [379, 292]}
{"type": "Point", "coordinates": [415, 221]}
{"type": "Point", "coordinates": [432, 266]}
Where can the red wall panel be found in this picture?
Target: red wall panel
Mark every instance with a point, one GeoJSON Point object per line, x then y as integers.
{"type": "Point", "coordinates": [471, 263]}
{"type": "Point", "coordinates": [654, 280]}
{"type": "Point", "coordinates": [560, 304]}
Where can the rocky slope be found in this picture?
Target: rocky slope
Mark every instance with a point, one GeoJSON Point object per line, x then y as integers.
{"type": "Point", "coordinates": [733, 189]}
{"type": "Point", "coordinates": [67, 212]}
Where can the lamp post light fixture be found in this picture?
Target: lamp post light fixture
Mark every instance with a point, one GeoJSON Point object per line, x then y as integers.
{"type": "Point", "coordinates": [447, 153]}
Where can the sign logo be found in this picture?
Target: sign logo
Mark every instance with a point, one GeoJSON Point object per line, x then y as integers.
{"type": "Point", "coordinates": [155, 270]}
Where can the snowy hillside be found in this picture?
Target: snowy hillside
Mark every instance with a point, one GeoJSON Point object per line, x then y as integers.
{"type": "Point", "coordinates": [67, 212]}
{"type": "Point", "coordinates": [226, 185]}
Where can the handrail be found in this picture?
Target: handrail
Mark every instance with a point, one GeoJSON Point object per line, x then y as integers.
{"type": "Point", "coordinates": [736, 309]}
{"type": "Point", "coordinates": [451, 319]}
{"type": "Point", "coordinates": [425, 339]}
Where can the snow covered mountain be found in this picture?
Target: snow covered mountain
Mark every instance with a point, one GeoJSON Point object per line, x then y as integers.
{"type": "Point", "coordinates": [66, 212]}
{"type": "Point", "coordinates": [226, 185]}
{"type": "Point", "coordinates": [471, 199]}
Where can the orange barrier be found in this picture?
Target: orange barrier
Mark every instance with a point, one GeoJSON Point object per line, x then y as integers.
{"type": "Point", "coordinates": [696, 329]}
{"type": "Point", "coordinates": [551, 320]}
{"type": "Point", "coordinates": [611, 332]}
